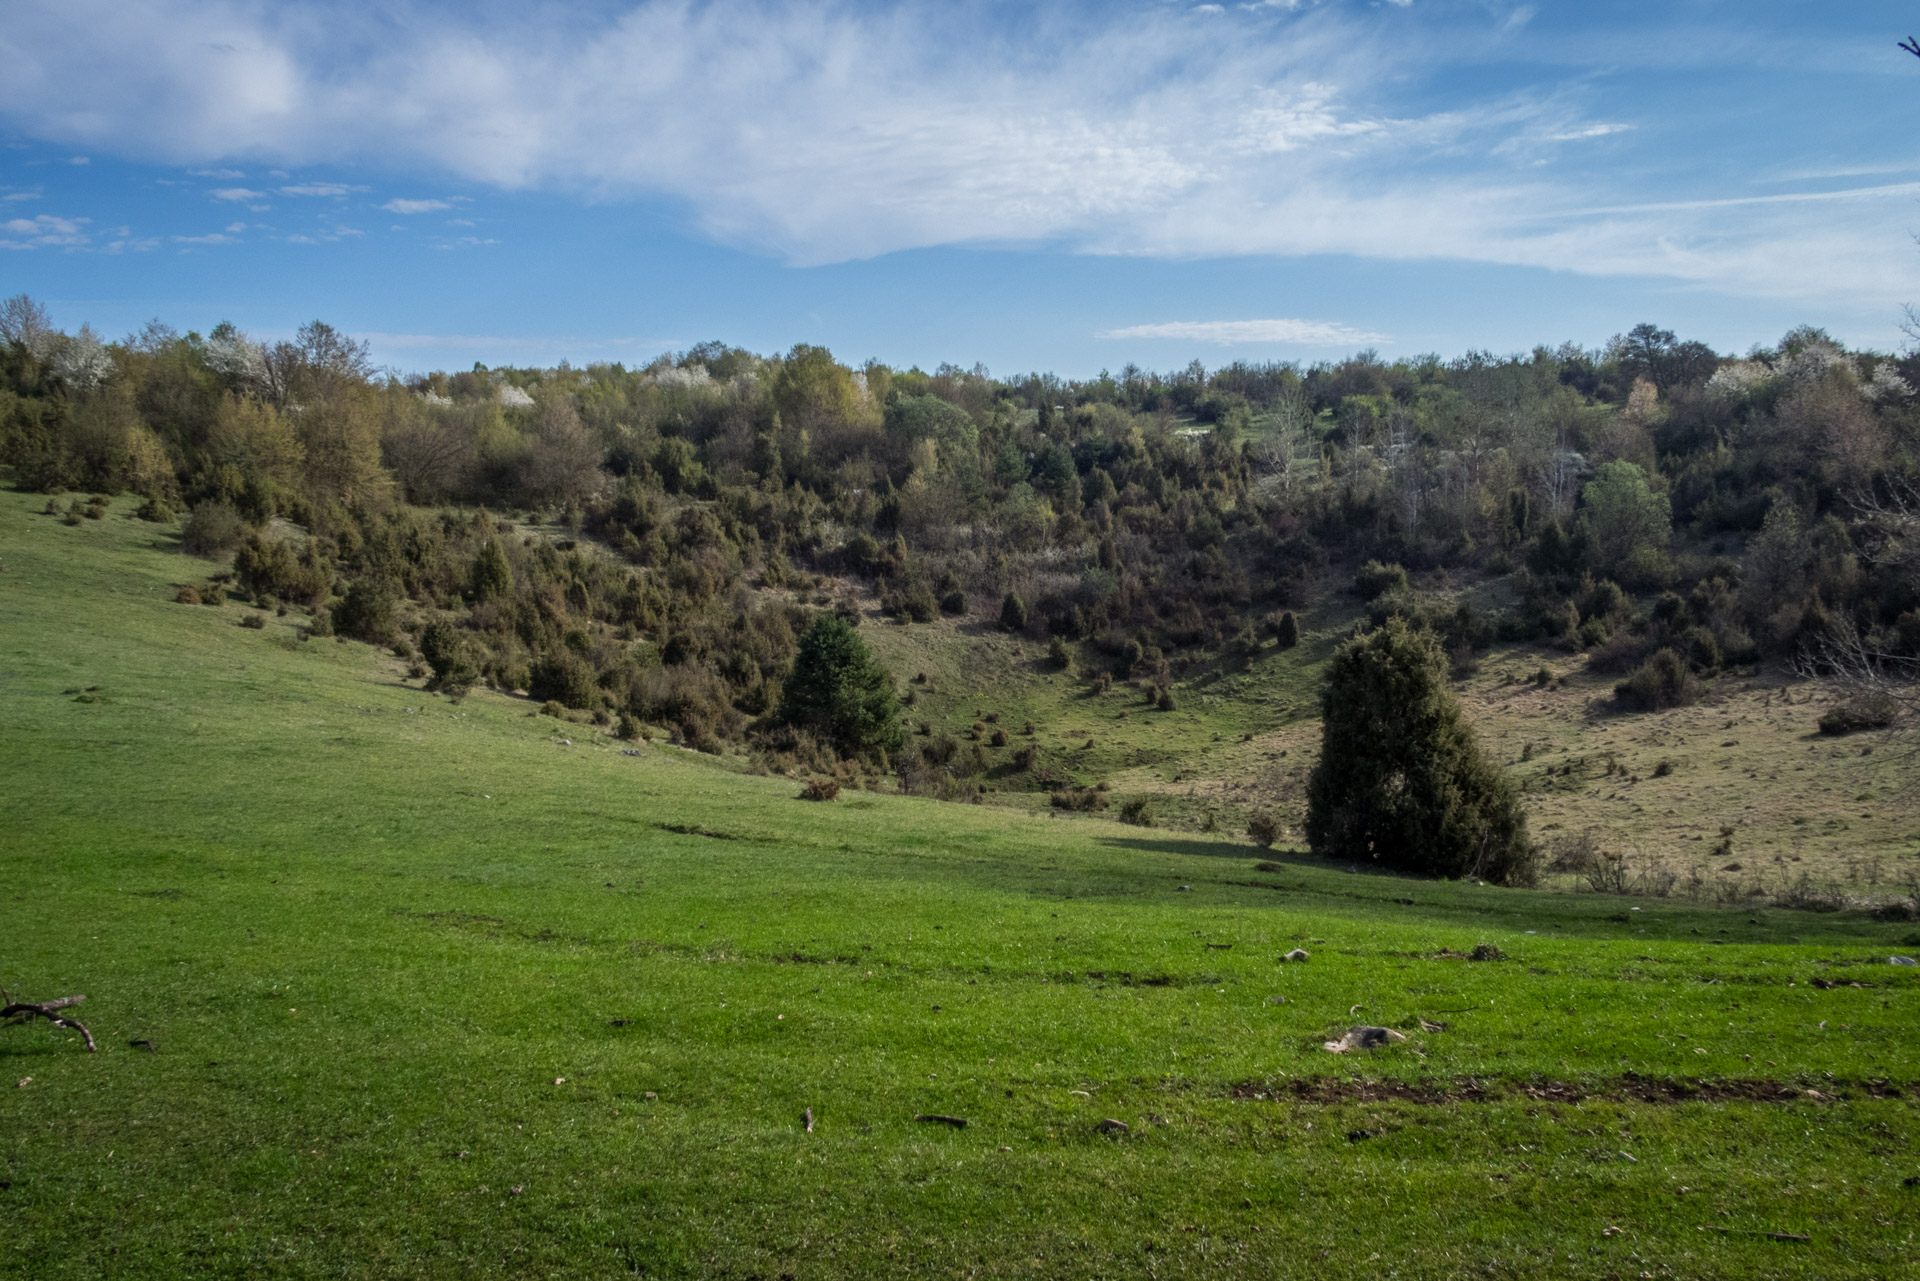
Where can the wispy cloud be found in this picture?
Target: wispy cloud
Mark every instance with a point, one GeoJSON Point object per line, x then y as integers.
{"type": "Point", "coordinates": [1302, 333]}
{"type": "Point", "coordinates": [228, 175]}
{"type": "Point", "coordinates": [211, 238]}
{"type": "Point", "coordinates": [334, 189]}
{"type": "Point", "coordinates": [823, 131]}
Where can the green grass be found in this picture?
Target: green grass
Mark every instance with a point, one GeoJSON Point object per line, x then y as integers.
{"type": "Point", "coordinates": [431, 994]}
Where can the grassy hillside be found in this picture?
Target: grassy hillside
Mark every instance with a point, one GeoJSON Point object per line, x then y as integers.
{"type": "Point", "coordinates": [1244, 735]}
{"type": "Point", "coordinates": [425, 990]}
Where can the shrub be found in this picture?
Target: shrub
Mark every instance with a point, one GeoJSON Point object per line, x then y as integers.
{"type": "Point", "coordinates": [999, 738]}
{"type": "Point", "coordinates": [1078, 799]}
{"type": "Point", "coordinates": [1024, 758]}
{"type": "Point", "coordinates": [626, 728]}
{"type": "Point", "coordinates": [213, 594]}
{"type": "Point", "coordinates": [1264, 828]}
{"type": "Point", "coordinates": [1286, 629]}
{"type": "Point", "coordinates": [212, 528]}
{"type": "Point", "coordinates": [1401, 778]}
{"type": "Point", "coordinates": [954, 602]}
{"type": "Point", "coordinates": [187, 595]}
{"type": "Point", "coordinates": [1013, 613]}
{"type": "Point", "coordinates": [565, 678]}
{"type": "Point", "coordinates": [452, 656]}
{"type": "Point", "coordinates": [1165, 701]}
{"type": "Point", "coordinates": [1137, 810]}
{"type": "Point", "coordinates": [1873, 710]}
{"type": "Point", "coordinates": [1376, 578]}
{"type": "Point", "coordinates": [254, 621]}
{"type": "Point", "coordinates": [553, 709]}
{"type": "Point", "coordinates": [366, 611]}
{"type": "Point", "coordinates": [1661, 682]}
{"type": "Point", "coordinates": [821, 789]}
{"type": "Point", "coordinates": [1060, 654]}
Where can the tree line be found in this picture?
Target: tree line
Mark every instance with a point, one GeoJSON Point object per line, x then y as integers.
{"type": "Point", "coordinates": [1673, 509]}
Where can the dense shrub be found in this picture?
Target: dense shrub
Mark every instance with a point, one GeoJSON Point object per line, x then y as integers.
{"type": "Point", "coordinates": [211, 529]}
{"type": "Point", "coordinates": [1401, 779]}
{"type": "Point", "coordinates": [366, 611]}
{"type": "Point", "coordinates": [1377, 579]}
{"type": "Point", "coordinates": [1137, 810]}
{"type": "Point", "coordinates": [1663, 681]}
{"type": "Point", "coordinates": [1013, 613]}
{"type": "Point", "coordinates": [1286, 629]}
{"type": "Point", "coordinates": [1264, 828]}
{"type": "Point", "coordinates": [562, 676]}
{"type": "Point", "coordinates": [1873, 710]}
{"type": "Point", "coordinates": [452, 657]}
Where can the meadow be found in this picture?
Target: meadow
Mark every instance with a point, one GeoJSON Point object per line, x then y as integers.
{"type": "Point", "coordinates": [389, 985]}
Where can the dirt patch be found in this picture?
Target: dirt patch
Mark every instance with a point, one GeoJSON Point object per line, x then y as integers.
{"type": "Point", "coordinates": [1628, 1088]}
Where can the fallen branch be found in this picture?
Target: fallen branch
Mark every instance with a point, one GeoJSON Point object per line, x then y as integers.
{"type": "Point", "coordinates": [1756, 1232]}
{"type": "Point", "coordinates": [45, 1010]}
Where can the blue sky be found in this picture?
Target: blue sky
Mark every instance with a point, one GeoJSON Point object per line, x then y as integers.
{"type": "Point", "coordinates": [1067, 187]}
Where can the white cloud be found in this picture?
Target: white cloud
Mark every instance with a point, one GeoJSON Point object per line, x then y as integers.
{"type": "Point", "coordinates": [236, 226]}
{"type": "Point", "coordinates": [47, 231]}
{"type": "Point", "coordinates": [212, 238]}
{"type": "Point", "coordinates": [1303, 333]}
{"type": "Point", "coordinates": [820, 131]}
{"type": "Point", "coordinates": [228, 175]}
{"type": "Point", "coordinates": [80, 160]}
{"type": "Point", "coordinates": [335, 189]}
{"type": "Point", "coordinates": [415, 206]}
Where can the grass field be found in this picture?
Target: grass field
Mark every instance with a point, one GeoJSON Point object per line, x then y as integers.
{"type": "Point", "coordinates": [427, 992]}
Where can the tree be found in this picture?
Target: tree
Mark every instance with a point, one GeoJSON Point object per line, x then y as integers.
{"type": "Point", "coordinates": [491, 577]}
{"type": "Point", "coordinates": [1627, 524]}
{"type": "Point", "coordinates": [1013, 613]}
{"type": "Point", "coordinates": [1402, 780]}
{"type": "Point", "coordinates": [837, 692]}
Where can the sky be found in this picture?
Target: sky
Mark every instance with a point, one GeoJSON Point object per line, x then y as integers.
{"type": "Point", "coordinates": [1065, 187]}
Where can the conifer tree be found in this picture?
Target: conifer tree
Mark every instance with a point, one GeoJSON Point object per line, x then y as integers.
{"type": "Point", "coordinates": [839, 693]}
{"type": "Point", "coordinates": [1402, 781]}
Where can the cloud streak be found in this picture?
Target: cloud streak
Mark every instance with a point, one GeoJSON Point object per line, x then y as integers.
{"type": "Point", "coordinates": [1302, 333]}
{"type": "Point", "coordinates": [821, 132]}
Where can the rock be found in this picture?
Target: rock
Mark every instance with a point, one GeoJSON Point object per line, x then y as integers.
{"type": "Point", "coordinates": [1298, 954]}
{"type": "Point", "coordinates": [1111, 1126]}
{"type": "Point", "coordinates": [1363, 1038]}
{"type": "Point", "coordinates": [1902, 960]}
{"type": "Point", "coordinates": [1182, 889]}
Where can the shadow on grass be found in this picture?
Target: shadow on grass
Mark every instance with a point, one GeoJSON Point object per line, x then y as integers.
{"type": "Point", "coordinates": [1210, 849]}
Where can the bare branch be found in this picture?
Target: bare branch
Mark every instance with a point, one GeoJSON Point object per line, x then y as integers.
{"type": "Point", "coordinates": [1911, 45]}
{"type": "Point", "coordinates": [45, 1010]}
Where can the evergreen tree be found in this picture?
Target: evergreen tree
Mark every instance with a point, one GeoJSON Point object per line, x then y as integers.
{"type": "Point", "coordinates": [1401, 779]}
{"type": "Point", "coordinates": [492, 577]}
{"type": "Point", "coordinates": [1286, 630]}
{"type": "Point", "coordinates": [839, 693]}
{"type": "Point", "coordinates": [1013, 613]}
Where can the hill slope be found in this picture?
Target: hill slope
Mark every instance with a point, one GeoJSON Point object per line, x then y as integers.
{"type": "Point", "coordinates": [430, 991]}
